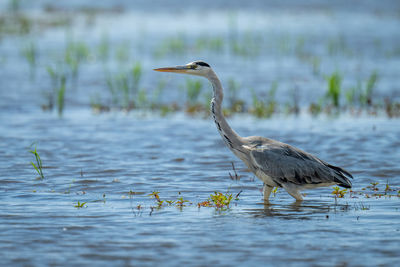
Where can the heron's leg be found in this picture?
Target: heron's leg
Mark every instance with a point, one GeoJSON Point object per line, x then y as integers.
{"type": "Point", "coordinates": [267, 189]}
{"type": "Point", "coordinates": [293, 191]}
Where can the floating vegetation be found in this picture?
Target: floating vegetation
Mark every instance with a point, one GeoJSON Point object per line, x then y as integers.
{"type": "Point", "coordinates": [80, 205]}
{"type": "Point", "coordinates": [370, 191]}
{"type": "Point", "coordinates": [338, 192]}
{"type": "Point", "coordinates": [220, 201]}
{"type": "Point", "coordinates": [38, 165]}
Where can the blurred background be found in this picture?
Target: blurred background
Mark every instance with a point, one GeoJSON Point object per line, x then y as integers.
{"type": "Point", "coordinates": [273, 57]}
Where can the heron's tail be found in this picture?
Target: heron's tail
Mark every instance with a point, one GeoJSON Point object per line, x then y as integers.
{"type": "Point", "coordinates": [342, 176]}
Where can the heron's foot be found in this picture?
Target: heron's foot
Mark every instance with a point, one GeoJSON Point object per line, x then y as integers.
{"type": "Point", "coordinates": [294, 192]}
{"type": "Point", "coordinates": [267, 189]}
{"type": "Point", "coordinates": [267, 202]}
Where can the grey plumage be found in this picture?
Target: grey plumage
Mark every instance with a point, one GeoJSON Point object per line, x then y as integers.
{"type": "Point", "coordinates": [284, 163]}
{"type": "Point", "coordinates": [273, 162]}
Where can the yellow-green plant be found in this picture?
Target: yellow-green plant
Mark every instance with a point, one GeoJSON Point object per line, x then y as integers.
{"type": "Point", "coordinates": [220, 200]}
{"type": "Point", "coordinates": [80, 205]}
{"type": "Point", "coordinates": [339, 193]}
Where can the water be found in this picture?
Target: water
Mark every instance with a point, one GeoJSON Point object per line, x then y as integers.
{"type": "Point", "coordinates": [100, 158]}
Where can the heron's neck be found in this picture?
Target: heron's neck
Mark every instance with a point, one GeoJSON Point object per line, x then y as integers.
{"type": "Point", "coordinates": [230, 137]}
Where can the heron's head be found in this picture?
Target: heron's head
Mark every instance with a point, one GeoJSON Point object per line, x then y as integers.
{"type": "Point", "coordinates": [195, 68]}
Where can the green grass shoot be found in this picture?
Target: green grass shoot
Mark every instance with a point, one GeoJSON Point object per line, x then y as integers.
{"type": "Point", "coordinates": [334, 88]}
{"type": "Point", "coordinates": [80, 205]}
{"type": "Point", "coordinates": [30, 54]}
{"type": "Point", "coordinates": [38, 165]}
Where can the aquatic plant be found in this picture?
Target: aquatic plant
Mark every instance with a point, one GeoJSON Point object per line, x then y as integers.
{"type": "Point", "coordinates": [215, 44]}
{"type": "Point", "coordinates": [265, 108]}
{"type": "Point", "coordinates": [361, 206]}
{"type": "Point", "coordinates": [193, 90]}
{"type": "Point", "coordinates": [124, 87]}
{"type": "Point", "coordinates": [155, 194]}
{"type": "Point", "coordinates": [61, 95]}
{"type": "Point", "coordinates": [315, 108]}
{"type": "Point", "coordinates": [374, 186]}
{"type": "Point", "coordinates": [74, 54]}
{"type": "Point", "coordinates": [80, 205]}
{"type": "Point", "coordinates": [122, 52]}
{"type": "Point", "coordinates": [392, 109]}
{"type": "Point", "coordinates": [136, 72]}
{"type": "Point", "coordinates": [293, 106]}
{"type": "Point", "coordinates": [205, 203]}
{"type": "Point", "coordinates": [103, 49]}
{"type": "Point", "coordinates": [221, 201]}
{"type": "Point", "coordinates": [247, 45]}
{"type": "Point", "coordinates": [316, 65]}
{"type": "Point", "coordinates": [275, 191]}
{"type": "Point", "coordinates": [339, 193]}
{"type": "Point", "coordinates": [14, 5]}
{"type": "Point", "coordinates": [56, 95]}
{"type": "Point", "coordinates": [29, 52]}
{"type": "Point", "coordinates": [180, 202]}
{"type": "Point", "coordinates": [235, 105]}
{"type": "Point", "coordinates": [234, 176]}
{"type": "Point", "coordinates": [337, 45]}
{"type": "Point", "coordinates": [172, 45]}
{"type": "Point", "coordinates": [38, 165]}
{"type": "Point", "coordinates": [334, 89]}
{"type": "Point", "coordinates": [366, 96]}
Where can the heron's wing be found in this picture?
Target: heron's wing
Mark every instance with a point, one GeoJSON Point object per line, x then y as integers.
{"type": "Point", "coordinates": [284, 163]}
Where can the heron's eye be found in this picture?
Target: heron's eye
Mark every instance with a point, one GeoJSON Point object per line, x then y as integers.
{"type": "Point", "coordinates": [193, 67]}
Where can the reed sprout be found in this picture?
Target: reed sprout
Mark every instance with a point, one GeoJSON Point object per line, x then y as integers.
{"type": "Point", "coordinates": [104, 48]}
{"type": "Point", "coordinates": [264, 108]}
{"type": "Point", "coordinates": [56, 96]}
{"type": "Point", "coordinates": [124, 88]}
{"type": "Point", "coordinates": [193, 90]}
{"type": "Point", "coordinates": [29, 52]}
{"type": "Point", "coordinates": [334, 89]}
{"type": "Point", "coordinates": [75, 54]}
{"type": "Point", "coordinates": [37, 165]}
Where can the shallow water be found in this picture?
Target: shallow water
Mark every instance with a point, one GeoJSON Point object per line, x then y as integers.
{"type": "Point", "coordinates": [100, 158]}
{"type": "Point", "coordinates": [89, 156]}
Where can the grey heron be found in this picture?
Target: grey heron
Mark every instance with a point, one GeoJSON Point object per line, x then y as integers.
{"type": "Point", "coordinates": [275, 163]}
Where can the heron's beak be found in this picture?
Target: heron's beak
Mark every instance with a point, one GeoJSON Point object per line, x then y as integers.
{"type": "Point", "coordinates": [177, 69]}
